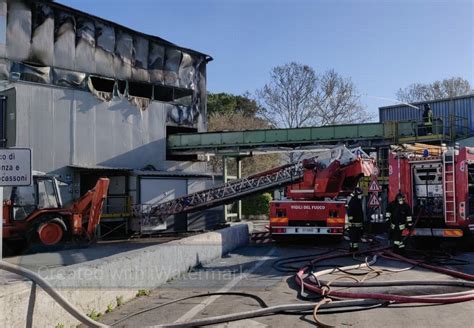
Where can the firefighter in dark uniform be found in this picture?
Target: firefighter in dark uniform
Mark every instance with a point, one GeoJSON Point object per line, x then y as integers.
{"type": "Point", "coordinates": [355, 216]}
{"type": "Point", "coordinates": [428, 119]}
{"type": "Point", "coordinates": [399, 216]}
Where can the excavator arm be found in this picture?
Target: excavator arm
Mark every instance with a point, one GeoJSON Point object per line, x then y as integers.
{"type": "Point", "coordinates": [88, 209]}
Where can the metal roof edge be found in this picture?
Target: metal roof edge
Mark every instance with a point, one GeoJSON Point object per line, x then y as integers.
{"type": "Point", "coordinates": [471, 95]}
{"type": "Point", "coordinates": [153, 37]}
{"type": "Point", "coordinates": [166, 174]}
{"type": "Point", "coordinates": [99, 168]}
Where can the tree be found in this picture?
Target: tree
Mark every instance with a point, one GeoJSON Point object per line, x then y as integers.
{"type": "Point", "coordinates": [228, 112]}
{"type": "Point", "coordinates": [447, 88]}
{"type": "Point", "coordinates": [338, 101]}
{"type": "Point", "coordinates": [226, 103]}
{"type": "Point", "coordinates": [240, 122]}
{"type": "Point", "coordinates": [296, 97]}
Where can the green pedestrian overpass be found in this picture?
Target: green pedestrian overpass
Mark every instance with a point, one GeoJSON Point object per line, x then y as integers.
{"type": "Point", "coordinates": [365, 135]}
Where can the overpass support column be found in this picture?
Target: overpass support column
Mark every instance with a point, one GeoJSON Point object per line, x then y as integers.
{"type": "Point", "coordinates": [239, 176]}
{"type": "Point", "coordinates": [228, 215]}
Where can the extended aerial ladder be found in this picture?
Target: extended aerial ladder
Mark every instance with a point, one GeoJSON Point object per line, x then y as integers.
{"type": "Point", "coordinates": [155, 214]}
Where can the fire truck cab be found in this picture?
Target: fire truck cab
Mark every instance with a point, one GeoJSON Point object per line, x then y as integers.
{"type": "Point", "coordinates": [317, 204]}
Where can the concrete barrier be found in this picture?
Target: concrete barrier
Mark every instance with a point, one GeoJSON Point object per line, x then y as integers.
{"type": "Point", "coordinates": [95, 285]}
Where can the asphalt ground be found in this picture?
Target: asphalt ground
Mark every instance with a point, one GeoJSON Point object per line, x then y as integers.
{"type": "Point", "coordinates": [250, 270]}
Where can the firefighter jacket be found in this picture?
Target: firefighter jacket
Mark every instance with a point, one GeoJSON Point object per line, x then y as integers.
{"type": "Point", "coordinates": [355, 214]}
{"type": "Point", "coordinates": [399, 215]}
{"type": "Point", "coordinates": [428, 117]}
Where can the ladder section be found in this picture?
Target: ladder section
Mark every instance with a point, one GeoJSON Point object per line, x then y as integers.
{"type": "Point", "coordinates": [225, 193]}
{"type": "Point", "coordinates": [449, 186]}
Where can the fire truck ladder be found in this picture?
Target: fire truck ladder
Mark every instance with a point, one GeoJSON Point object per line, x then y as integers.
{"type": "Point", "coordinates": [449, 186]}
{"type": "Point", "coordinates": [223, 194]}
{"type": "Point", "coordinates": [236, 189]}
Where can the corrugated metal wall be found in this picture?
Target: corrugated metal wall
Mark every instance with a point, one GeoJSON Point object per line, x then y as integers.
{"type": "Point", "coordinates": [459, 106]}
{"type": "Point", "coordinates": [69, 127]}
{"type": "Point", "coordinates": [49, 34]}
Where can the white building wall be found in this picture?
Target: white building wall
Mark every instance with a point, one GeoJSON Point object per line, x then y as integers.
{"type": "Point", "coordinates": [69, 127]}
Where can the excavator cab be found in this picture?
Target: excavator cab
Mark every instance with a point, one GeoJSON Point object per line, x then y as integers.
{"type": "Point", "coordinates": [22, 201]}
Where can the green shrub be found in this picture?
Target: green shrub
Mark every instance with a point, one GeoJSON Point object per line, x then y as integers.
{"type": "Point", "coordinates": [110, 308]}
{"type": "Point", "coordinates": [143, 292]}
{"type": "Point", "coordinates": [256, 205]}
{"type": "Point", "coordinates": [94, 315]}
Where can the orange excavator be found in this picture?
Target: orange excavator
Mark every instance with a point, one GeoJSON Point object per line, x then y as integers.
{"type": "Point", "coordinates": [34, 215]}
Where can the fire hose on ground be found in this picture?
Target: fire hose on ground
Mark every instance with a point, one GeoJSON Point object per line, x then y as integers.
{"type": "Point", "coordinates": [340, 301]}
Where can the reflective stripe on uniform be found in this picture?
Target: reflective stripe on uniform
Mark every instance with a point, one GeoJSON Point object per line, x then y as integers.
{"type": "Point", "coordinates": [401, 226]}
{"type": "Point", "coordinates": [398, 242]}
{"type": "Point", "coordinates": [409, 218]}
{"type": "Point", "coordinates": [388, 214]}
{"type": "Point", "coordinates": [350, 218]}
{"type": "Point", "coordinates": [392, 226]}
{"type": "Point", "coordinates": [355, 224]}
{"type": "Point", "coordinates": [354, 245]}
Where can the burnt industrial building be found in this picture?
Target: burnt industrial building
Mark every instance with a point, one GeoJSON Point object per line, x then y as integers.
{"type": "Point", "coordinates": [93, 98]}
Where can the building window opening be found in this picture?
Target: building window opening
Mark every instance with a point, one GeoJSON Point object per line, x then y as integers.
{"type": "Point", "coordinates": [121, 87]}
{"type": "Point", "coordinates": [163, 93]}
{"type": "Point", "coordinates": [141, 90]}
{"type": "Point", "coordinates": [183, 97]}
{"type": "Point", "coordinates": [102, 84]}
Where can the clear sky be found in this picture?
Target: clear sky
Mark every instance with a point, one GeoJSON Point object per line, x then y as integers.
{"type": "Point", "coordinates": [381, 44]}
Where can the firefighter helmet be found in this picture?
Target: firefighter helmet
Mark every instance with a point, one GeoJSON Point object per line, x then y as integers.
{"type": "Point", "coordinates": [400, 197]}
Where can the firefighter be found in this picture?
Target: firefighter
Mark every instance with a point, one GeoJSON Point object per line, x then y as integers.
{"type": "Point", "coordinates": [428, 119]}
{"type": "Point", "coordinates": [399, 216]}
{"type": "Point", "coordinates": [355, 216]}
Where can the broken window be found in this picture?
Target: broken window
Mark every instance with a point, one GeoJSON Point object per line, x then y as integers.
{"type": "Point", "coordinates": [66, 78]}
{"type": "Point", "coordinates": [183, 97]}
{"type": "Point", "coordinates": [143, 90]}
{"type": "Point", "coordinates": [102, 84]}
{"type": "Point", "coordinates": [31, 73]}
{"type": "Point", "coordinates": [163, 93]}
{"type": "Point", "coordinates": [101, 87]}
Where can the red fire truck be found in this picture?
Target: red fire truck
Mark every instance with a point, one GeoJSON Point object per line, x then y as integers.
{"type": "Point", "coordinates": [317, 204]}
{"type": "Point", "coordinates": [439, 186]}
